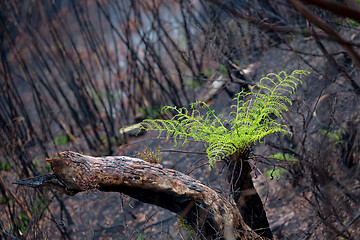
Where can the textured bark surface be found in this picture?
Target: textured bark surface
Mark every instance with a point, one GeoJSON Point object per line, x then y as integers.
{"type": "Point", "coordinates": [245, 195]}
{"type": "Point", "coordinates": [204, 208]}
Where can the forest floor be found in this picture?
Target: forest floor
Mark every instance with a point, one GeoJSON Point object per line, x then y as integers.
{"type": "Point", "coordinates": [115, 216]}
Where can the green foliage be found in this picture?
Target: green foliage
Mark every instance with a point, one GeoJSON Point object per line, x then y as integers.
{"type": "Point", "coordinates": [38, 205]}
{"type": "Point", "coordinates": [140, 236]}
{"type": "Point", "coordinates": [182, 224]}
{"type": "Point", "coordinates": [46, 168]}
{"type": "Point", "coordinates": [4, 165]}
{"type": "Point", "coordinates": [222, 69]}
{"type": "Point", "coordinates": [150, 155]}
{"type": "Point", "coordinates": [354, 23]}
{"type": "Point", "coordinates": [275, 173]}
{"type": "Point", "coordinates": [149, 112]}
{"type": "Point", "coordinates": [251, 118]}
{"type": "Point", "coordinates": [208, 72]}
{"type": "Point", "coordinates": [237, 63]}
{"type": "Point", "coordinates": [22, 220]}
{"type": "Point", "coordinates": [284, 157]}
{"type": "Point", "coordinates": [60, 140]}
{"type": "Point", "coordinates": [193, 83]}
{"type": "Point", "coordinates": [3, 199]}
{"type": "Point", "coordinates": [335, 135]}
{"type": "Point", "coordinates": [21, 223]}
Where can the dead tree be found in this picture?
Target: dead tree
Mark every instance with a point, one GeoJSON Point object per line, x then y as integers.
{"type": "Point", "coordinates": [204, 208]}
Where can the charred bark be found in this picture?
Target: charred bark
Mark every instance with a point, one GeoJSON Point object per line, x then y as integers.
{"type": "Point", "coordinates": [204, 208]}
{"type": "Point", "coordinates": [245, 195]}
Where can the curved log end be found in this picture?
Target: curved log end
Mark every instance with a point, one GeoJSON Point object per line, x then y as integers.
{"type": "Point", "coordinates": [48, 180]}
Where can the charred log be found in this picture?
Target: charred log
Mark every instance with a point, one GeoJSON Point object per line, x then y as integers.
{"type": "Point", "coordinates": [204, 208]}
{"type": "Point", "coordinates": [245, 195]}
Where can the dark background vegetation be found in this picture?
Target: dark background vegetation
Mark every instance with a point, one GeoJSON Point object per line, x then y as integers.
{"type": "Point", "coordinates": [74, 72]}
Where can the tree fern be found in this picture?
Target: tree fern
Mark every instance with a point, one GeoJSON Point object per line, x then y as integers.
{"type": "Point", "coordinates": [251, 118]}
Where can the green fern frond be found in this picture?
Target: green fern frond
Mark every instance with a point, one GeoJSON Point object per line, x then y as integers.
{"type": "Point", "coordinates": [251, 118]}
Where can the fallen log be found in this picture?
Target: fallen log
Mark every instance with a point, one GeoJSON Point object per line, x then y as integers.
{"type": "Point", "coordinates": [205, 209]}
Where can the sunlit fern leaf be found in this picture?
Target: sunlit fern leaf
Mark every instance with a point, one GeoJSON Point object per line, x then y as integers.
{"type": "Point", "coordinates": [251, 118]}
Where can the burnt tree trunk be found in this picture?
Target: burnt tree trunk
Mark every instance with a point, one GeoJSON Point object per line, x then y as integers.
{"type": "Point", "coordinates": [245, 195]}
{"type": "Point", "coordinates": [204, 208]}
